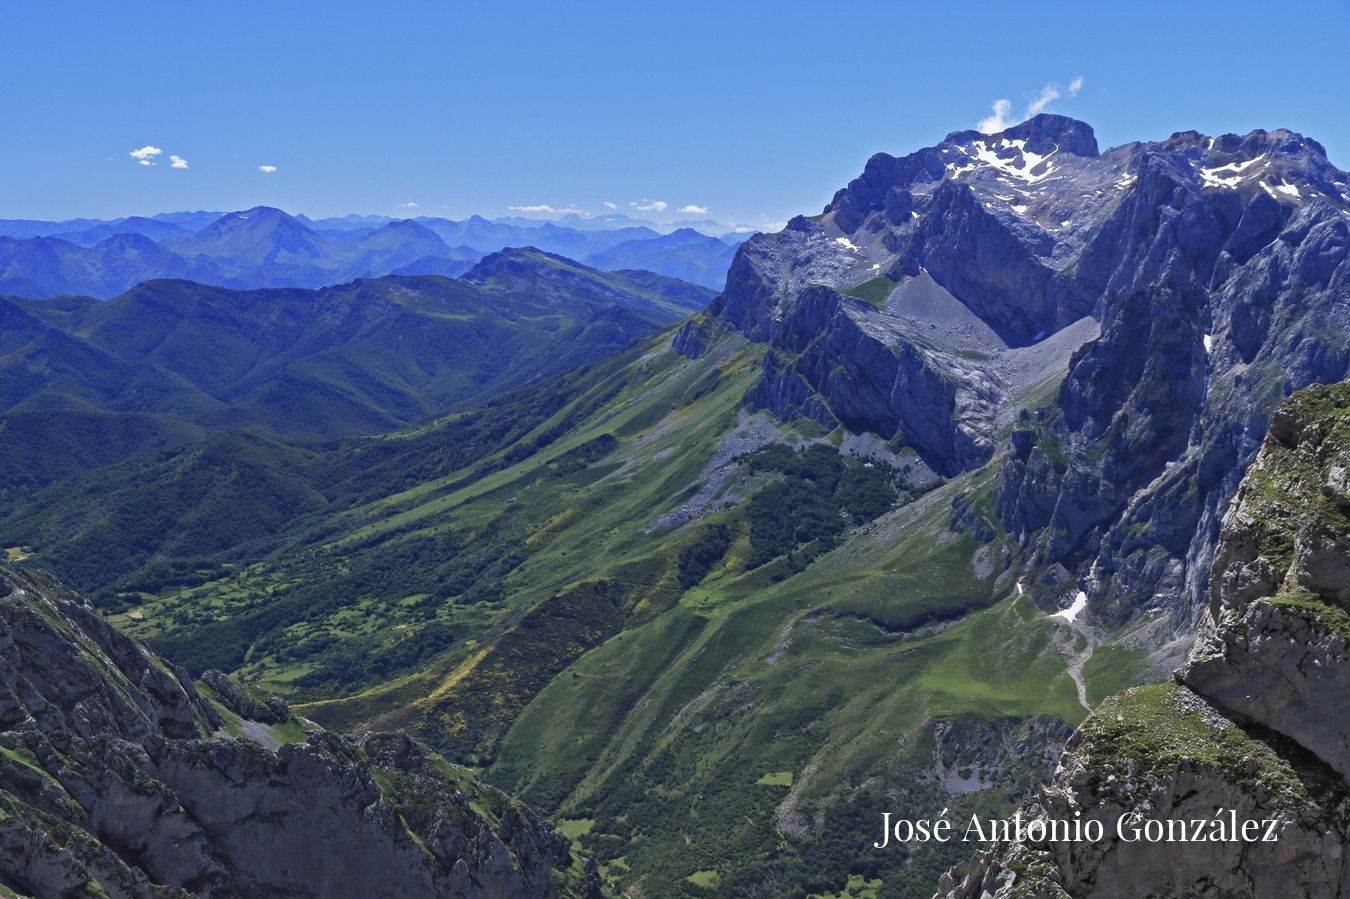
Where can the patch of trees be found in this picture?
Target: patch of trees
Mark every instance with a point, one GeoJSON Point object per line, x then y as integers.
{"type": "Point", "coordinates": [701, 556]}
{"type": "Point", "coordinates": [817, 496]}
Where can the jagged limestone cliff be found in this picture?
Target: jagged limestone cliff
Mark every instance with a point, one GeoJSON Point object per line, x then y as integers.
{"type": "Point", "coordinates": [1256, 724]}
{"type": "Point", "coordinates": [1148, 305]}
{"type": "Point", "coordinates": [121, 778]}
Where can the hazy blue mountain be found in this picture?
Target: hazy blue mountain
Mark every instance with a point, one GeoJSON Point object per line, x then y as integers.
{"type": "Point", "coordinates": [255, 248]}
{"type": "Point", "coordinates": [490, 236]}
{"type": "Point", "coordinates": [146, 227]}
{"type": "Point", "coordinates": [394, 245]}
{"type": "Point", "coordinates": [463, 259]}
{"type": "Point", "coordinates": [171, 360]}
{"type": "Point", "coordinates": [352, 222]}
{"type": "Point", "coordinates": [40, 228]}
{"type": "Point", "coordinates": [603, 222]}
{"type": "Point", "coordinates": [684, 254]}
{"type": "Point", "coordinates": [49, 266]}
{"type": "Point", "coordinates": [266, 247]}
{"type": "Point", "coordinates": [193, 221]}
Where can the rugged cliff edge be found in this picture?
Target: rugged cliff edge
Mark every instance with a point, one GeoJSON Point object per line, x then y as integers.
{"type": "Point", "coordinates": [1135, 314]}
{"type": "Point", "coordinates": [120, 778]}
{"type": "Point", "coordinates": [1256, 724]}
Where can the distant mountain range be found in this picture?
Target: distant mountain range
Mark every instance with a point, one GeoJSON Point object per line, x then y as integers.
{"type": "Point", "coordinates": [84, 382]}
{"type": "Point", "coordinates": [266, 247]}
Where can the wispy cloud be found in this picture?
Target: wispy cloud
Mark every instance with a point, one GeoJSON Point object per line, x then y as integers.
{"type": "Point", "coordinates": [609, 205]}
{"type": "Point", "coordinates": [696, 210]}
{"type": "Point", "coordinates": [267, 168]}
{"type": "Point", "coordinates": [146, 155]}
{"type": "Point", "coordinates": [408, 205]}
{"type": "Point", "coordinates": [545, 208]}
{"type": "Point", "coordinates": [997, 120]}
{"type": "Point", "coordinates": [1001, 111]}
{"type": "Point", "coordinates": [650, 205]}
{"type": "Point", "coordinates": [177, 162]}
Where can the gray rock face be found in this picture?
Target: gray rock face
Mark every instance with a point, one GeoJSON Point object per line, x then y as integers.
{"type": "Point", "coordinates": [1282, 667]}
{"type": "Point", "coordinates": [853, 369]}
{"type": "Point", "coordinates": [119, 778]}
{"type": "Point", "coordinates": [1258, 726]}
{"type": "Point", "coordinates": [1274, 647]}
{"type": "Point", "coordinates": [1216, 268]}
{"type": "Point", "coordinates": [1227, 294]}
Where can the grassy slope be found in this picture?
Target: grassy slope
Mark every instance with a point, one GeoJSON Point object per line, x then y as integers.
{"type": "Point", "coordinates": [742, 680]}
{"type": "Point", "coordinates": [654, 713]}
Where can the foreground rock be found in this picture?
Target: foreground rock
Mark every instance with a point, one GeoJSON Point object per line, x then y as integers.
{"type": "Point", "coordinates": [1257, 724]}
{"type": "Point", "coordinates": [118, 777]}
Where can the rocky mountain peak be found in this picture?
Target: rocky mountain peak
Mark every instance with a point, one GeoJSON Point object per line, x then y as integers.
{"type": "Point", "coordinates": [1041, 134]}
{"type": "Point", "coordinates": [1181, 288]}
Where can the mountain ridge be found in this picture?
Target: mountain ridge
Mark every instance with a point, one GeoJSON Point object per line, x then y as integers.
{"type": "Point", "coordinates": [265, 247]}
{"type": "Point", "coordinates": [362, 357]}
{"type": "Point", "coordinates": [1192, 230]}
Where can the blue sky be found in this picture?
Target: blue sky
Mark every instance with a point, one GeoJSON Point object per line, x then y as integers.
{"type": "Point", "coordinates": [754, 111]}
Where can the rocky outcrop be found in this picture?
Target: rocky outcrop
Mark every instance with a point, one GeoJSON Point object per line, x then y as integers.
{"type": "Point", "coordinates": [1224, 272]}
{"type": "Point", "coordinates": [1274, 646]}
{"type": "Point", "coordinates": [837, 365]}
{"type": "Point", "coordinates": [1255, 729]}
{"type": "Point", "coordinates": [1216, 268]}
{"type": "Point", "coordinates": [119, 777]}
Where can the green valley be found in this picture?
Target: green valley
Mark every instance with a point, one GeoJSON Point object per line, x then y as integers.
{"type": "Point", "coordinates": [724, 641]}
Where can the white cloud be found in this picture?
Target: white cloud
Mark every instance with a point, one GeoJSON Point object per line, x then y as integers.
{"type": "Point", "coordinates": [267, 168]}
{"type": "Point", "coordinates": [1048, 95]}
{"type": "Point", "coordinates": [146, 155]}
{"type": "Point", "coordinates": [650, 206]}
{"type": "Point", "coordinates": [544, 207]}
{"type": "Point", "coordinates": [609, 205]}
{"type": "Point", "coordinates": [177, 162]}
{"type": "Point", "coordinates": [697, 210]}
{"type": "Point", "coordinates": [998, 119]}
{"type": "Point", "coordinates": [1001, 116]}
{"type": "Point", "coordinates": [408, 205]}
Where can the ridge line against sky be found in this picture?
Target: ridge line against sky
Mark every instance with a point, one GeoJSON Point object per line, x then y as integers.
{"type": "Point", "coordinates": [708, 111]}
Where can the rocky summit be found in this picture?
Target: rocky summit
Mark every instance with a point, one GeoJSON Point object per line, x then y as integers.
{"type": "Point", "coordinates": [122, 778]}
{"type": "Point", "coordinates": [1255, 727]}
{"type": "Point", "coordinates": [1152, 303]}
